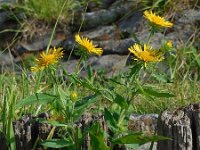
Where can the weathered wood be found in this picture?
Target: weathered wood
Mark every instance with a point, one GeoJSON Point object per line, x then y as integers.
{"type": "Point", "coordinates": [3, 142]}
{"type": "Point", "coordinates": [146, 123]}
{"type": "Point", "coordinates": [27, 130]}
{"type": "Point", "coordinates": [86, 121]}
{"type": "Point", "coordinates": [182, 126]}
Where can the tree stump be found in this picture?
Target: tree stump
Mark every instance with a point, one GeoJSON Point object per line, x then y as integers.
{"type": "Point", "coordinates": [182, 126]}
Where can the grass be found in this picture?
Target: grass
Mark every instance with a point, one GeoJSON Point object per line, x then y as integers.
{"type": "Point", "coordinates": [169, 7]}
{"type": "Point", "coordinates": [48, 10]}
{"type": "Point", "coordinates": [54, 93]}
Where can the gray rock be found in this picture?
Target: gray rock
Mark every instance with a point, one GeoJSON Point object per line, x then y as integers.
{"type": "Point", "coordinates": [116, 46]}
{"type": "Point", "coordinates": [9, 26]}
{"type": "Point", "coordinates": [118, 3]}
{"type": "Point", "coordinates": [40, 43]}
{"type": "Point", "coordinates": [100, 4]}
{"type": "Point", "coordinates": [103, 16]}
{"type": "Point", "coordinates": [6, 58]}
{"type": "Point", "coordinates": [112, 46]}
{"type": "Point", "coordinates": [155, 41]}
{"type": "Point", "coordinates": [189, 16]}
{"type": "Point", "coordinates": [10, 64]}
{"type": "Point", "coordinates": [3, 16]}
{"type": "Point", "coordinates": [107, 3]}
{"type": "Point", "coordinates": [37, 43]}
{"type": "Point", "coordinates": [186, 28]}
{"type": "Point", "coordinates": [7, 2]}
{"type": "Point", "coordinates": [111, 65]}
{"type": "Point", "coordinates": [131, 23]}
{"type": "Point", "coordinates": [103, 33]}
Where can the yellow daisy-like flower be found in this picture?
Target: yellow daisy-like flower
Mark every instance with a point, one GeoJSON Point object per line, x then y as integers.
{"type": "Point", "coordinates": [46, 59]}
{"type": "Point", "coordinates": [74, 96]}
{"type": "Point", "coordinates": [169, 43]}
{"type": "Point", "coordinates": [88, 45]}
{"type": "Point", "coordinates": [157, 20]}
{"type": "Point", "coordinates": [146, 53]}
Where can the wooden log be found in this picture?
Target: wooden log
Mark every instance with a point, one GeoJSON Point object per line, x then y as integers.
{"type": "Point", "coordinates": [3, 142]}
{"type": "Point", "coordinates": [27, 130]}
{"type": "Point", "coordinates": [182, 126]}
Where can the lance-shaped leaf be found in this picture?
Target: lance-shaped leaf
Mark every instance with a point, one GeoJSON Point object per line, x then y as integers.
{"type": "Point", "coordinates": [37, 98]}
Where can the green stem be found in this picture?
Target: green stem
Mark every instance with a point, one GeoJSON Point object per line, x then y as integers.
{"type": "Point", "coordinates": [54, 29]}
{"type": "Point", "coordinates": [38, 81]}
{"type": "Point", "coordinates": [150, 35]}
{"type": "Point", "coordinates": [78, 32]}
{"type": "Point", "coordinates": [78, 65]}
{"type": "Point", "coordinates": [121, 117]}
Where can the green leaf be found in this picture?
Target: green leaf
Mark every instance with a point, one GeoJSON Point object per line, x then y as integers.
{"type": "Point", "coordinates": [86, 101]}
{"type": "Point", "coordinates": [109, 119]}
{"type": "Point", "coordinates": [138, 138]}
{"type": "Point", "coordinates": [121, 101]}
{"type": "Point", "coordinates": [196, 56]}
{"type": "Point", "coordinates": [135, 69]}
{"type": "Point", "coordinates": [89, 72]}
{"type": "Point", "coordinates": [84, 82]}
{"type": "Point", "coordinates": [63, 94]}
{"type": "Point", "coordinates": [141, 91]}
{"type": "Point", "coordinates": [82, 105]}
{"type": "Point", "coordinates": [53, 123]}
{"type": "Point", "coordinates": [97, 138]}
{"type": "Point", "coordinates": [56, 143]}
{"type": "Point", "coordinates": [161, 77]}
{"type": "Point", "coordinates": [115, 80]}
{"type": "Point", "coordinates": [152, 92]}
{"type": "Point", "coordinates": [37, 98]}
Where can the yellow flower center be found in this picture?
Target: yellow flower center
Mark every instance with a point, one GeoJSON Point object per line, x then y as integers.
{"type": "Point", "coordinates": [146, 53]}
{"type": "Point", "coordinates": [146, 56]}
{"type": "Point", "coordinates": [47, 59]}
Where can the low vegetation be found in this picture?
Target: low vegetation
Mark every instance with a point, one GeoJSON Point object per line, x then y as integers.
{"type": "Point", "coordinates": [47, 87]}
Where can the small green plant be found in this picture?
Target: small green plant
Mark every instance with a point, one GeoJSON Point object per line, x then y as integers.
{"type": "Point", "coordinates": [67, 100]}
{"type": "Point", "coordinates": [158, 5]}
{"type": "Point", "coordinates": [162, 6]}
{"type": "Point", "coordinates": [65, 103]}
{"type": "Point", "coordinates": [67, 97]}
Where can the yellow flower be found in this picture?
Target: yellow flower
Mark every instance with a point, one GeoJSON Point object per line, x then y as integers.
{"type": "Point", "coordinates": [146, 53]}
{"type": "Point", "coordinates": [157, 20]}
{"type": "Point", "coordinates": [73, 96]}
{"type": "Point", "coordinates": [169, 43]}
{"type": "Point", "coordinates": [57, 117]}
{"type": "Point", "coordinates": [88, 45]}
{"type": "Point", "coordinates": [46, 59]}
